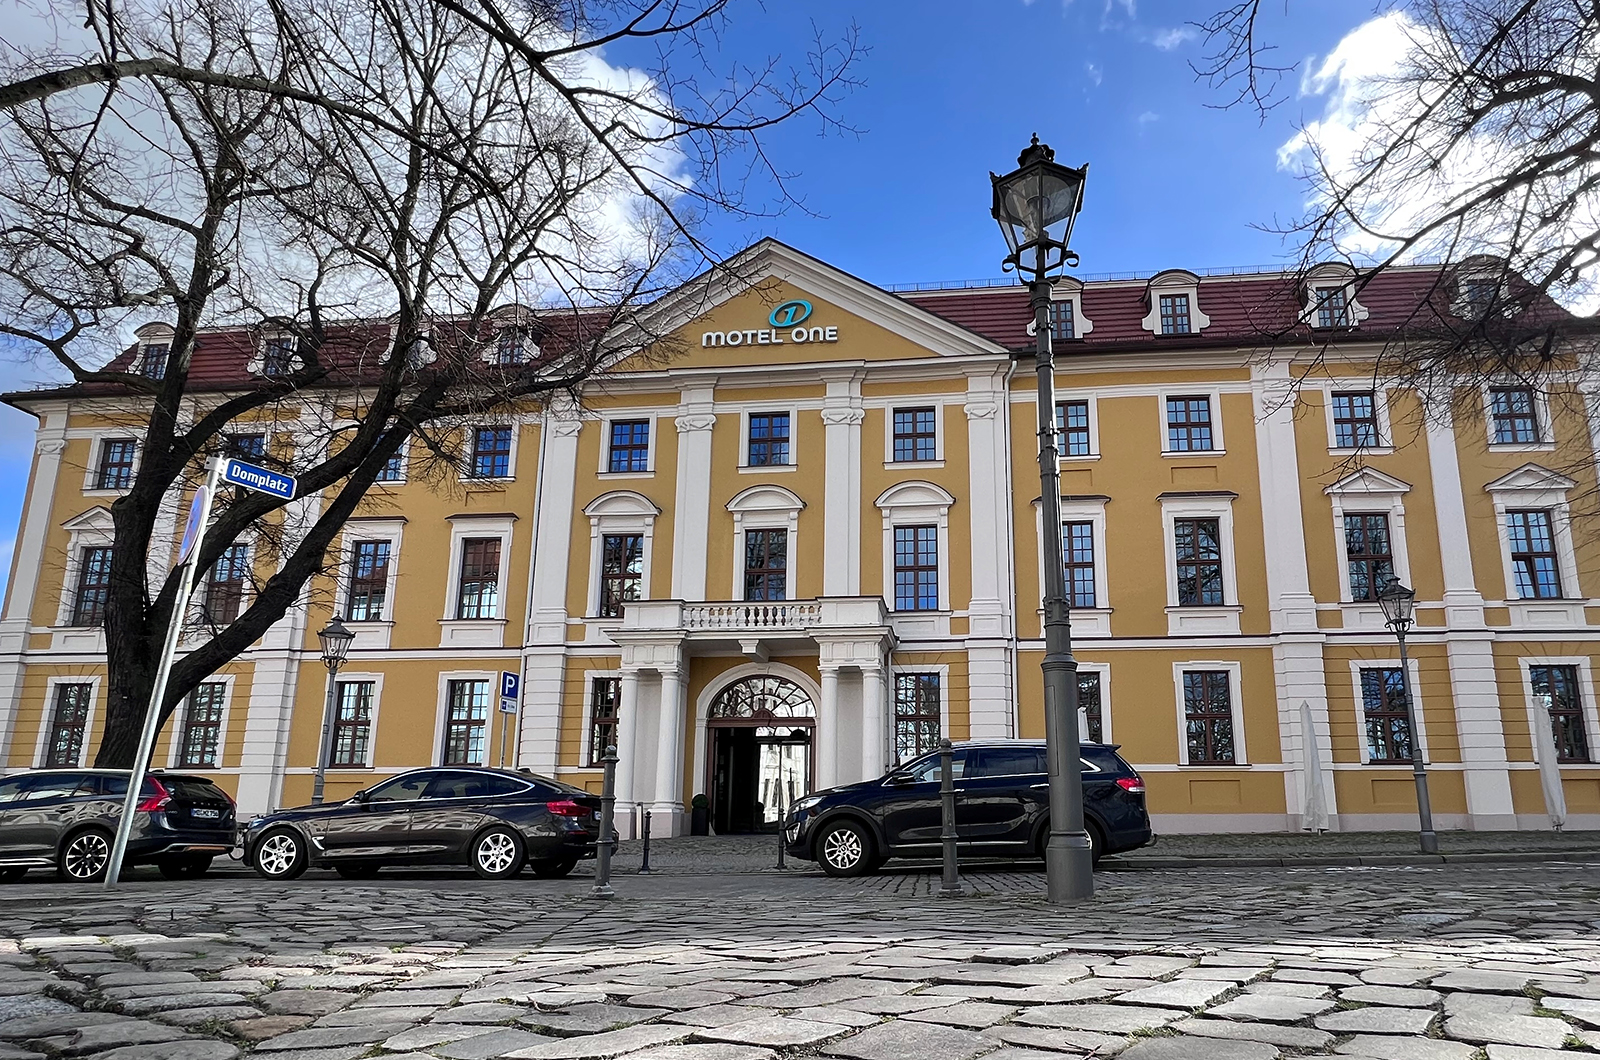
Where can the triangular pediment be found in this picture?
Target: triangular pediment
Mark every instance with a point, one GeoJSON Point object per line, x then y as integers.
{"type": "Point", "coordinates": [1367, 480]}
{"type": "Point", "coordinates": [1531, 477]}
{"type": "Point", "coordinates": [96, 518]}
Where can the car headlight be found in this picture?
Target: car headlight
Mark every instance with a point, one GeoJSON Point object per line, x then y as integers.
{"type": "Point", "coordinates": [810, 802]}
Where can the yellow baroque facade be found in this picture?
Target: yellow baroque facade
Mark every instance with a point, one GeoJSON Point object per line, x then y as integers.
{"type": "Point", "coordinates": [807, 544]}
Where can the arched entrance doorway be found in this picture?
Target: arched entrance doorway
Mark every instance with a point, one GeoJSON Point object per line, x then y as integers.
{"type": "Point", "coordinates": [760, 730]}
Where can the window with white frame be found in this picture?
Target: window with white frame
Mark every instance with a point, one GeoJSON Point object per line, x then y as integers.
{"type": "Point", "coordinates": [621, 536]}
{"type": "Point", "coordinates": [225, 586]}
{"type": "Point", "coordinates": [1516, 416]}
{"type": "Point", "coordinates": [916, 568]}
{"type": "Point", "coordinates": [1209, 731]}
{"type": "Point", "coordinates": [1172, 299]}
{"type": "Point", "coordinates": [767, 439]}
{"type": "Point", "coordinates": [200, 739]}
{"type": "Point", "coordinates": [117, 459]}
{"type": "Point", "coordinates": [1091, 705]}
{"type": "Point", "coordinates": [916, 564]}
{"type": "Point", "coordinates": [368, 589]}
{"type": "Point", "coordinates": [1558, 689]}
{"type": "Point", "coordinates": [1189, 424]}
{"type": "Point", "coordinates": [1062, 321]}
{"type": "Point", "coordinates": [605, 704]}
{"type": "Point", "coordinates": [1386, 715]}
{"type": "Point", "coordinates": [628, 447]}
{"type": "Point", "coordinates": [1534, 523]}
{"type": "Point", "coordinates": [1078, 548]}
{"type": "Point", "coordinates": [476, 572]}
{"type": "Point", "coordinates": [621, 572]}
{"type": "Point", "coordinates": [1369, 554]}
{"type": "Point", "coordinates": [86, 583]}
{"type": "Point", "coordinates": [1174, 314]}
{"type": "Point", "coordinates": [1330, 297]}
{"type": "Point", "coordinates": [1075, 434]}
{"type": "Point", "coordinates": [1202, 580]}
{"type": "Point", "coordinates": [93, 588]}
{"type": "Point", "coordinates": [277, 355]}
{"type": "Point", "coordinates": [491, 452]}
{"type": "Point", "coordinates": [918, 712]}
{"type": "Point", "coordinates": [153, 359]}
{"type": "Point", "coordinates": [915, 435]}
{"type": "Point", "coordinates": [478, 584]}
{"type": "Point", "coordinates": [1355, 419]}
{"type": "Point", "coordinates": [1333, 307]}
{"type": "Point", "coordinates": [766, 520]}
{"type": "Point", "coordinates": [466, 723]}
{"type": "Point", "coordinates": [69, 723]}
{"type": "Point", "coordinates": [1369, 529]}
{"type": "Point", "coordinates": [394, 468]}
{"type": "Point", "coordinates": [1197, 558]}
{"type": "Point", "coordinates": [351, 739]}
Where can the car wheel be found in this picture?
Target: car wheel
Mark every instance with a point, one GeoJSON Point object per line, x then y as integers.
{"type": "Point", "coordinates": [13, 873]}
{"type": "Point", "coordinates": [497, 854]}
{"type": "Point", "coordinates": [552, 868]}
{"type": "Point", "coordinates": [85, 856]}
{"type": "Point", "coordinates": [1097, 842]}
{"type": "Point", "coordinates": [356, 872]}
{"type": "Point", "coordinates": [845, 849]}
{"type": "Point", "coordinates": [184, 868]}
{"type": "Point", "coordinates": [280, 855]}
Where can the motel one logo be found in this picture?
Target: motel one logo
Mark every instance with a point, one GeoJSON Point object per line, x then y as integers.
{"type": "Point", "coordinates": [788, 325]}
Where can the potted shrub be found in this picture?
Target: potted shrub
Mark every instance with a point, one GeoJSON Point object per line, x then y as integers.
{"type": "Point", "coordinates": [700, 816]}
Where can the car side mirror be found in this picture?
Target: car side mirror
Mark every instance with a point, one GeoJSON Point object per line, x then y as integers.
{"type": "Point", "coordinates": [361, 797]}
{"type": "Point", "coordinates": [900, 776]}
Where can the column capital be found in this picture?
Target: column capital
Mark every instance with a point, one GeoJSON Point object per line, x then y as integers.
{"type": "Point", "coordinates": [981, 410]}
{"type": "Point", "coordinates": [697, 421]}
{"type": "Point", "coordinates": [843, 417]}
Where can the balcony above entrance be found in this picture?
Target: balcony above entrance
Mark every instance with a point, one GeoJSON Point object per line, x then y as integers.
{"type": "Point", "coordinates": [757, 629]}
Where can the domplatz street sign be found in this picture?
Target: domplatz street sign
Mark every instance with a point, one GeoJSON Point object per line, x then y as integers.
{"type": "Point", "coordinates": [251, 477]}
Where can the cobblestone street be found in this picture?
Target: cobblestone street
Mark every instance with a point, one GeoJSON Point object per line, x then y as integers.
{"type": "Point", "coordinates": [1433, 963]}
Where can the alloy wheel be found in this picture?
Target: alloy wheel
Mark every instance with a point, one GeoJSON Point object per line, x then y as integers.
{"type": "Point", "coordinates": [497, 852]}
{"type": "Point", "coordinates": [277, 854]}
{"type": "Point", "coordinates": [842, 848]}
{"type": "Point", "coordinates": [86, 856]}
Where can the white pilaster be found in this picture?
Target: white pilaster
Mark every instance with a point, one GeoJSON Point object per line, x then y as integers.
{"type": "Point", "coordinates": [990, 696]}
{"type": "Point", "coordinates": [627, 739]}
{"type": "Point", "coordinates": [828, 730]}
{"type": "Point", "coordinates": [28, 560]}
{"type": "Point", "coordinates": [692, 513]}
{"type": "Point", "coordinates": [841, 538]}
{"type": "Point", "coordinates": [667, 810]}
{"type": "Point", "coordinates": [873, 757]}
{"type": "Point", "coordinates": [544, 667]}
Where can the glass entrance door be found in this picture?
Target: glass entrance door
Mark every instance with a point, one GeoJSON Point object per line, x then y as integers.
{"type": "Point", "coordinates": [759, 771]}
{"type": "Point", "coordinates": [783, 772]}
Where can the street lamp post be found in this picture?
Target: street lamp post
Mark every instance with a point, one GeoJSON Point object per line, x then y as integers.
{"type": "Point", "coordinates": [1397, 601]}
{"type": "Point", "coordinates": [335, 640]}
{"type": "Point", "coordinates": [1036, 205]}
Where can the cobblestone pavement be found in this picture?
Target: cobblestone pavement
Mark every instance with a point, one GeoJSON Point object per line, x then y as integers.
{"type": "Point", "coordinates": [1393, 963]}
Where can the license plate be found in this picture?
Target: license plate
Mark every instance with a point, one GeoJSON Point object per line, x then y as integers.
{"type": "Point", "coordinates": [205, 815]}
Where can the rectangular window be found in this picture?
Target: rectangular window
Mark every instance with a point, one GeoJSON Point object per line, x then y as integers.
{"type": "Point", "coordinates": [277, 356]}
{"type": "Point", "coordinates": [916, 715]}
{"type": "Point", "coordinates": [1355, 420]}
{"type": "Point", "coordinates": [1089, 703]}
{"type": "Point", "coordinates": [1370, 554]}
{"type": "Point", "coordinates": [1174, 314]}
{"type": "Point", "coordinates": [769, 439]}
{"type": "Point", "coordinates": [1072, 428]}
{"type": "Point", "coordinates": [94, 586]}
{"type": "Point", "coordinates": [480, 578]}
{"type": "Point", "coordinates": [1188, 424]}
{"type": "Point", "coordinates": [225, 586]}
{"type": "Point", "coordinates": [1198, 547]}
{"type": "Point", "coordinates": [766, 564]}
{"type": "Point", "coordinates": [1556, 689]}
{"type": "Point", "coordinates": [394, 468]}
{"type": "Point", "coordinates": [352, 726]}
{"type": "Point", "coordinates": [1208, 717]}
{"type": "Point", "coordinates": [63, 746]}
{"type": "Point", "coordinates": [630, 446]}
{"type": "Point", "coordinates": [605, 699]}
{"type": "Point", "coordinates": [116, 464]}
{"type": "Point", "coordinates": [246, 446]}
{"type": "Point", "coordinates": [621, 572]}
{"type": "Point", "coordinates": [466, 723]}
{"type": "Point", "coordinates": [369, 581]}
{"type": "Point", "coordinates": [200, 745]}
{"type": "Point", "coordinates": [916, 435]}
{"type": "Point", "coordinates": [514, 345]}
{"type": "Point", "coordinates": [1383, 704]}
{"type": "Point", "coordinates": [154, 365]}
{"type": "Point", "coordinates": [491, 452]}
{"type": "Point", "coordinates": [916, 568]}
{"type": "Point", "coordinates": [1515, 416]}
{"type": "Point", "coordinates": [1333, 307]}
{"type": "Point", "coordinates": [1533, 555]}
{"type": "Point", "coordinates": [1479, 295]}
{"type": "Point", "coordinates": [1077, 542]}
{"type": "Point", "coordinates": [1061, 320]}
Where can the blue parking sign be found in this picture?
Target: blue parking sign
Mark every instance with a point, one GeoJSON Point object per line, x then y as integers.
{"type": "Point", "coordinates": [510, 691]}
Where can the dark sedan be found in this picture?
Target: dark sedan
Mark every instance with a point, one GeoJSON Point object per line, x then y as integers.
{"type": "Point", "coordinates": [495, 820]}
{"type": "Point", "coordinates": [1002, 808]}
{"type": "Point", "coordinates": [66, 819]}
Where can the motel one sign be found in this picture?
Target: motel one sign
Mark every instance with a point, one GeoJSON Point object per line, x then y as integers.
{"type": "Point", "coordinates": [788, 325]}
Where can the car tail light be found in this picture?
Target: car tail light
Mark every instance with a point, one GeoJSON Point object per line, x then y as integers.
{"type": "Point", "coordinates": [1132, 785]}
{"type": "Point", "coordinates": [156, 802]}
{"type": "Point", "coordinates": [567, 808]}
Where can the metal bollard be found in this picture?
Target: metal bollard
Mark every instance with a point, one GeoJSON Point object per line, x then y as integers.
{"type": "Point", "coordinates": [781, 863]}
{"type": "Point", "coordinates": [947, 815]}
{"type": "Point", "coordinates": [608, 811]}
{"type": "Point", "coordinates": [644, 864]}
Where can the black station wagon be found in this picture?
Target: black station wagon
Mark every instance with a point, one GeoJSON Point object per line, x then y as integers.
{"type": "Point", "coordinates": [1002, 808]}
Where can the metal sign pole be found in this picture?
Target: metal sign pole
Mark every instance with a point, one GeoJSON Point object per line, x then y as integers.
{"type": "Point", "coordinates": [152, 714]}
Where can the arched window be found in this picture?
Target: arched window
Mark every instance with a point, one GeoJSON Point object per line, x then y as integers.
{"type": "Point", "coordinates": [762, 699]}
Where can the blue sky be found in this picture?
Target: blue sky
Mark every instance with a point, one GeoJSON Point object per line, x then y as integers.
{"type": "Point", "coordinates": [953, 90]}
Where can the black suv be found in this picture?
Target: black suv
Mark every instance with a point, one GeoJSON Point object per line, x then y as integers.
{"type": "Point", "coordinates": [495, 820]}
{"type": "Point", "coordinates": [66, 819]}
{"type": "Point", "coordinates": [1002, 808]}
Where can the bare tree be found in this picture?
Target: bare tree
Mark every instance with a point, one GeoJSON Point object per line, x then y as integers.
{"type": "Point", "coordinates": [420, 211]}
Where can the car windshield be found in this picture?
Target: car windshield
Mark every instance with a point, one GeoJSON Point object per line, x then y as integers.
{"type": "Point", "coordinates": [407, 788]}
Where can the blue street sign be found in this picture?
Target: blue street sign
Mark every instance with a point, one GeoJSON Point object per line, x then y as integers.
{"type": "Point", "coordinates": [259, 479]}
{"type": "Point", "coordinates": [191, 533]}
{"type": "Point", "coordinates": [510, 691]}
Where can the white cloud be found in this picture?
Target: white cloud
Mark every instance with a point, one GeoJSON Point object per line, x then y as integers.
{"type": "Point", "coordinates": [1173, 37]}
{"type": "Point", "coordinates": [1147, 117]}
{"type": "Point", "coordinates": [1095, 73]}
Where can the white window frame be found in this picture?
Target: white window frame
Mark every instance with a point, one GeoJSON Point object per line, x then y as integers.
{"type": "Point", "coordinates": [45, 717]}
{"type": "Point", "coordinates": [1380, 413]}
{"type": "Point", "coordinates": [155, 333]}
{"type": "Point", "coordinates": [764, 507]}
{"type": "Point", "coordinates": [1541, 413]}
{"type": "Point", "coordinates": [1532, 486]}
{"type": "Point", "coordinates": [404, 453]}
{"type": "Point", "coordinates": [938, 405]}
{"type": "Point", "coordinates": [1591, 709]}
{"type": "Point", "coordinates": [202, 584]}
{"type": "Point", "coordinates": [1104, 670]}
{"type": "Point", "coordinates": [1067, 289]}
{"type": "Point", "coordinates": [90, 529]}
{"type": "Point", "coordinates": [1174, 281]}
{"type": "Point", "coordinates": [1086, 621]}
{"type": "Point", "coordinates": [943, 670]}
{"type": "Point", "coordinates": [476, 632]}
{"type": "Point", "coordinates": [1414, 674]}
{"type": "Point", "coordinates": [376, 679]}
{"type": "Point", "coordinates": [1241, 758]}
{"type": "Point", "coordinates": [530, 345]}
{"type": "Point", "coordinates": [442, 711]}
{"type": "Point", "coordinates": [745, 467]}
{"type": "Point", "coordinates": [182, 715]}
{"type": "Point", "coordinates": [650, 453]}
{"type": "Point", "coordinates": [258, 356]}
{"type": "Point", "coordinates": [1198, 618]}
{"type": "Point", "coordinates": [1328, 275]}
{"type": "Point", "coordinates": [1369, 492]}
{"type": "Point", "coordinates": [468, 440]}
{"type": "Point", "coordinates": [916, 503]}
{"type": "Point", "coordinates": [1219, 445]}
{"type": "Point", "coordinates": [1094, 424]}
{"type": "Point", "coordinates": [371, 632]}
{"type": "Point", "coordinates": [97, 443]}
{"type": "Point", "coordinates": [619, 512]}
{"type": "Point", "coordinates": [588, 714]}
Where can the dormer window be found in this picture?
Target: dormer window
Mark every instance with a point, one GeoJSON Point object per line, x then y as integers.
{"type": "Point", "coordinates": [514, 345]}
{"type": "Point", "coordinates": [153, 360]}
{"type": "Point", "coordinates": [1478, 296]}
{"type": "Point", "coordinates": [1333, 307]}
{"type": "Point", "coordinates": [1062, 321]}
{"type": "Point", "coordinates": [1328, 297]}
{"type": "Point", "coordinates": [277, 355]}
{"type": "Point", "coordinates": [1174, 314]}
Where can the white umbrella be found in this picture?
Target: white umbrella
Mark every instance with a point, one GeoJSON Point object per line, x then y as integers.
{"type": "Point", "coordinates": [1315, 818]}
{"type": "Point", "coordinates": [1544, 753]}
